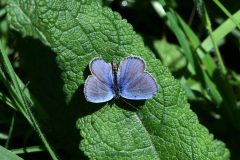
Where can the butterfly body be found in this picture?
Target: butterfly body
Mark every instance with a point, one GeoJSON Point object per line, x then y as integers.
{"type": "Point", "coordinates": [129, 80]}
{"type": "Point", "coordinates": [115, 87]}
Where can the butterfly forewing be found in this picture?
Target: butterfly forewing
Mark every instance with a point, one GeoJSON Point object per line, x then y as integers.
{"type": "Point", "coordinates": [98, 86]}
{"type": "Point", "coordinates": [102, 70]}
{"type": "Point", "coordinates": [134, 81]}
{"type": "Point", "coordinates": [128, 69]}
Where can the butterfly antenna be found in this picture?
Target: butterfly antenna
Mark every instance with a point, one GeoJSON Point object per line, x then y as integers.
{"type": "Point", "coordinates": [125, 102]}
{"type": "Point", "coordinates": [112, 102]}
{"type": "Point", "coordinates": [130, 104]}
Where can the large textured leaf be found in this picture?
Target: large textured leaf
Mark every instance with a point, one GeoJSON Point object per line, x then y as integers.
{"type": "Point", "coordinates": [171, 55]}
{"type": "Point", "coordinates": [8, 155]}
{"type": "Point", "coordinates": [79, 30]}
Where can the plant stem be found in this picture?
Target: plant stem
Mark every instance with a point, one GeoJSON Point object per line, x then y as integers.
{"type": "Point", "coordinates": [209, 28]}
{"type": "Point", "coordinates": [219, 4]}
{"type": "Point", "coordinates": [10, 130]}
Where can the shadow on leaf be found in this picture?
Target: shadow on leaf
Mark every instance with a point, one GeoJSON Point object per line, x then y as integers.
{"type": "Point", "coordinates": [56, 117]}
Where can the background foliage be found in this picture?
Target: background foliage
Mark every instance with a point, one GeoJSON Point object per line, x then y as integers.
{"type": "Point", "coordinates": [50, 45]}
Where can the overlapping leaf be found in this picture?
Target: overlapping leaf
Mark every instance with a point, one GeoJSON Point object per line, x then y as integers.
{"type": "Point", "coordinates": [8, 155]}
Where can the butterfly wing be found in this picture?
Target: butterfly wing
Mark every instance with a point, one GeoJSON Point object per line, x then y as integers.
{"type": "Point", "coordinates": [98, 86]}
{"type": "Point", "coordinates": [134, 81]}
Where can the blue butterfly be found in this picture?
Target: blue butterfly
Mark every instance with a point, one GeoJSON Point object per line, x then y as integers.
{"type": "Point", "coordinates": [129, 80]}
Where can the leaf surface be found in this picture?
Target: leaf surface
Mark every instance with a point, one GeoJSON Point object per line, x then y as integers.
{"type": "Point", "coordinates": [7, 155]}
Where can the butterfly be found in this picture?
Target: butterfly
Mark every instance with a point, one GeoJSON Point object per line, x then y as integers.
{"type": "Point", "coordinates": [129, 80]}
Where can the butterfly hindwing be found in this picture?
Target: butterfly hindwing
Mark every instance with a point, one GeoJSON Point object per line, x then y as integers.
{"type": "Point", "coordinates": [95, 91]}
{"type": "Point", "coordinates": [129, 68]}
{"type": "Point", "coordinates": [98, 86]}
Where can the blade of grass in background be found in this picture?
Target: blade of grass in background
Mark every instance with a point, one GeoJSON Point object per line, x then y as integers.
{"type": "Point", "coordinates": [221, 32]}
{"type": "Point", "coordinates": [31, 149]}
{"type": "Point", "coordinates": [224, 10]}
{"type": "Point", "coordinates": [208, 26]}
{"type": "Point", "coordinates": [21, 98]}
{"type": "Point", "coordinates": [7, 100]}
{"type": "Point", "coordinates": [172, 23]}
{"type": "Point", "coordinates": [203, 54]}
{"type": "Point", "coordinates": [3, 136]}
{"type": "Point", "coordinates": [206, 69]}
{"type": "Point", "coordinates": [206, 60]}
{"type": "Point", "coordinates": [179, 33]}
{"type": "Point", "coordinates": [6, 74]}
{"type": "Point", "coordinates": [229, 106]}
{"type": "Point", "coordinates": [10, 130]}
{"type": "Point", "coordinates": [182, 41]}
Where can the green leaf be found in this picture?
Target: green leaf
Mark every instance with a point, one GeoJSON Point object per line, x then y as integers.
{"type": "Point", "coordinates": [7, 155]}
{"type": "Point", "coordinates": [162, 128]}
{"type": "Point", "coordinates": [76, 43]}
{"type": "Point", "coordinates": [210, 74]}
{"type": "Point", "coordinates": [182, 40]}
{"type": "Point", "coordinates": [24, 22]}
{"type": "Point", "coordinates": [21, 96]}
{"type": "Point", "coordinates": [219, 33]}
{"type": "Point", "coordinates": [171, 55]}
{"type": "Point", "coordinates": [31, 149]}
